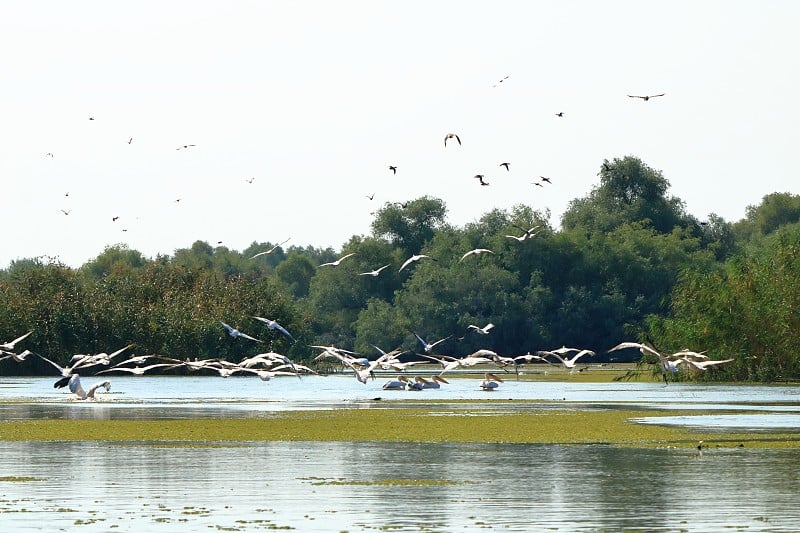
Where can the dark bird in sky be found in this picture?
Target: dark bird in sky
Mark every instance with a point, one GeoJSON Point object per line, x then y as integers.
{"type": "Point", "coordinates": [91, 118]}
{"type": "Point", "coordinates": [49, 154]}
{"type": "Point", "coordinates": [452, 136]}
{"type": "Point", "coordinates": [394, 168]}
{"type": "Point", "coordinates": [130, 140]}
{"type": "Point", "coordinates": [500, 81]}
{"type": "Point", "coordinates": [479, 177]}
{"type": "Point", "coordinates": [114, 219]}
{"type": "Point", "coordinates": [250, 180]}
{"type": "Point", "coordinates": [647, 97]}
{"type": "Point", "coordinates": [538, 184]}
{"type": "Point", "coordinates": [560, 114]}
{"type": "Point", "coordinates": [371, 196]}
{"type": "Point", "coordinates": [545, 179]}
{"type": "Point", "coordinates": [505, 165]}
{"type": "Point", "coordinates": [184, 147]}
{"type": "Point", "coordinates": [66, 211]}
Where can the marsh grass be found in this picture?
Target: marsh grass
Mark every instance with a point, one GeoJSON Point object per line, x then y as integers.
{"type": "Point", "coordinates": [401, 424]}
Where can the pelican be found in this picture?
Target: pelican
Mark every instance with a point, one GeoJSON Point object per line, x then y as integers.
{"type": "Point", "coordinates": [396, 384]}
{"type": "Point", "coordinates": [702, 365]}
{"type": "Point", "coordinates": [336, 263]}
{"type": "Point", "coordinates": [452, 136]}
{"type": "Point", "coordinates": [476, 251]}
{"type": "Point", "coordinates": [270, 250]}
{"type": "Point", "coordinates": [429, 346]}
{"type": "Point", "coordinates": [375, 272]}
{"type": "Point", "coordinates": [74, 384]}
{"type": "Point", "coordinates": [483, 331]}
{"type": "Point", "coordinates": [570, 363]}
{"type": "Point", "coordinates": [271, 324]}
{"type": "Point", "coordinates": [413, 259]}
{"type": "Point", "coordinates": [490, 381]}
{"type": "Point", "coordinates": [9, 346]}
{"type": "Point", "coordinates": [528, 233]}
{"type": "Point", "coordinates": [18, 357]}
{"type": "Point", "coordinates": [433, 383]}
{"type": "Point", "coordinates": [646, 97]}
{"type": "Point", "coordinates": [644, 350]}
{"type": "Point", "coordinates": [233, 332]}
{"type": "Point", "coordinates": [139, 370]}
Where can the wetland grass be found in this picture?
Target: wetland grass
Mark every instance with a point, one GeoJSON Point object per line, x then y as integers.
{"type": "Point", "coordinates": [402, 424]}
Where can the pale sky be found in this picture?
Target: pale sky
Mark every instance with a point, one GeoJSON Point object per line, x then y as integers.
{"type": "Point", "coordinates": [312, 101]}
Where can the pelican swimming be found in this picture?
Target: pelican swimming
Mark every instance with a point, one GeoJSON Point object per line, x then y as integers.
{"type": "Point", "coordinates": [433, 383]}
{"type": "Point", "coordinates": [271, 324]}
{"type": "Point", "coordinates": [490, 381]}
{"type": "Point", "coordinates": [396, 384]}
{"type": "Point", "coordinates": [336, 263]}
{"type": "Point", "coordinates": [74, 384]}
{"type": "Point", "coordinates": [233, 332]}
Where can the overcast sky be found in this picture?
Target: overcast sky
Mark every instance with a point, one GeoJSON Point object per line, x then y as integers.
{"type": "Point", "coordinates": [297, 109]}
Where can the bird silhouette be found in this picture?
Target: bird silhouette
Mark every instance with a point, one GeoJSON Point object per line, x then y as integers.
{"type": "Point", "coordinates": [646, 97]}
{"type": "Point", "coordinates": [394, 168]}
{"type": "Point", "coordinates": [452, 136]}
{"type": "Point", "coordinates": [505, 165]}
{"type": "Point", "coordinates": [560, 114]}
{"type": "Point", "coordinates": [479, 177]}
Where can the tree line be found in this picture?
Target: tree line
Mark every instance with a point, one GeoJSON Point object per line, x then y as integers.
{"type": "Point", "coordinates": [627, 263]}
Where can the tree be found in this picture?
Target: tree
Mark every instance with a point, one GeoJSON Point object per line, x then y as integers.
{"type": "Point", "coordinates": [411, 225]}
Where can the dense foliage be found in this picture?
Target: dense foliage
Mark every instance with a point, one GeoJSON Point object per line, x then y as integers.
{"type": "Point", "coordinates": [627, 263]}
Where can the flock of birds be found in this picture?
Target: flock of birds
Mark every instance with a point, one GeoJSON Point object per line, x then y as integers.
{"type": "Point", "coordinates": [271, 364]}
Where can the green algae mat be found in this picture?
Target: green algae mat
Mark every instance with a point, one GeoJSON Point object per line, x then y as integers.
{"type": "Point", "coordinates": [403, 424]}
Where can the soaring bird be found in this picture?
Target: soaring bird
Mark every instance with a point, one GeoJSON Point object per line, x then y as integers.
{"type": "Point", "coordinates": [476, 251]}
{"type": "Point", "coordinates": [266, 252]}
{"type": "Point", "coordinates": [483, 331]}
{"type": "Point", "coordinates": [233, 332]}
{"type": "Point", "coordinates": [479, 177]}
{"type": "Point", "coordinates": [571, 362]}
{"type": "Point", "coordinates": [504, 165]}
{"type": "Point", "coordinates": [452, 136]}
{"type": "Point", "coordinates": [560, 114]}
{"type": "Point", "coordinates": [647, 97]}
{"type": "Point", "coordinates": [394, 168]}
{"type": "Point", "coordinates": [375, 272]}
{"type": "Point", "coordinates": [271, 324]}
{"type": "Point", "coordinates": [413, 259]}
{"type": "Point", "coordinates": [336, 263]}
{"type": "Point", "coordinates": [185, 146]}
{"type": "Point", "coordinates": [428, 346]}
{"type": "Point", "coordinates": [543, 178]}
{"type": "Point", "coordinates": [8, 346]}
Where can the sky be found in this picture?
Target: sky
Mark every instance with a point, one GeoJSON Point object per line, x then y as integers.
{"type": "Point", "coordinates": [293, 111]}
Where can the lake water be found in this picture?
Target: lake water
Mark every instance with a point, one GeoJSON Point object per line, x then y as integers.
{"type": "Point", "coordinates": [255, 486]}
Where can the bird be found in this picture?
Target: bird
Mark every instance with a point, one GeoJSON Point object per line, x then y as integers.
{"type": "Point", "coordinates": [703, 365]}
{"type": "Point", "coordinates": [527, 235]}
{"type": "Point", "coordinates": [433, 383]}
{"type": "Point", "coordinates": [479, 177]}
{"type": "Point", "coordinates": [18, 357]}
{"type": "Point", "coordinates": [413, 259]}
{"type": "Point", "coordinates": [571, 362]}
{"type": "Point", "coordinates": [114, 219]}
{"type": "Point", "coordinates": [74, 384]}
{"type": "Point", "coordinates": [490, 381]}
{"type": "Point", "coordinates": [476, 251]}
{"type": "Point", "coordinates": [426, 346]}
{"type": "Point", "coordinates": [504, 165]}
{"type": "Point", "coordinates": [545, 179]}
{"type": "Point", "coordinates": [483, 331]}
{"type": "Point", "coordinates": [49, 154]}
{"type": "Point", "coordinates": [500, 81]}
{"type": "Point", "coordinates": [375, 272]}
{"type": "Point", "coordinates": [130, 140]}
{"type": "Point", "coordinates": [271, 324]}
{"type": "Point", "coordinates": [233, 332]}
{"type": "Point", "coordinates": [370, 196]}
{"type": "Point", "coordinates": [560, 114]}
{"type": "Point", "coordinates": [250, 180]}
{"type": "Point", "coordinates": [452, 136]}
{"type": "Point", "coordinates": [646, 97]}
{"type": "Point", "coordinates": [265, 252]}
{"type": "Point", "coordinates": [336, 263]}
{"type": "Point", "coordinates": [396, 384]}
{"type": "Point", "coordinates": [8, 346]}
{"type": "Point", "coordinates": [644, 349]}
{"type": "Point", "coordinates": [185, 146]}
{"type": "Point", "coordinates": [394, 168]}
{"type": "Point", "coordinates": [66, 211]}
{"type": "Point", "coordinates": [138, 370]}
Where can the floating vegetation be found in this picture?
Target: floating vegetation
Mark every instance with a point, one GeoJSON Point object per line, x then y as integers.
{"type": "Point", "coordinates": [20, 479]}
{"type": "Point", "coordinates": [391, 482]}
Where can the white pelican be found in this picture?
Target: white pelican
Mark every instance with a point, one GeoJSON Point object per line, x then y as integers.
{"type": "Point", "coordinates": [433, 383]}
{"type": "Point", "coordinates": [139, 370]}
{"type": "Point", "coordinates": [336, 263]}
{"type": "Point", "coordinates": [483, 331]}
{"type": "Point", "coordinates": [9, 346]}
{"type": "Point", "coordinates": [426, 346]}
{"type": "Point", "coordinates": [702, 365]}
{"type": "Point", "coordinates": [490, 381]}
{"type": "Point", "coordinates": [644, 349]}
{"type": "Point", "coordinates": [375, 272]}
{"type": "Point", "coordinates": [476, 251]}
{"type": "Point", "coordinates": [452, 136]}
{"type": "Point", "coordinates": [396, 384]}
{"type": "Point", "coordinates": [270, 250]}
{"type": "Point", "coordinates": [271, 324]}
{"type": "Point", "coordinates": [74, 384]}
{"type": "Point", "coordinates": [18, 357]}
{"type": "Point", "coordinates": [413, 259]}
{"type": "Point", "coordinates": [570, 363]}
{"type": "Point", "coordinates": [233, 332]}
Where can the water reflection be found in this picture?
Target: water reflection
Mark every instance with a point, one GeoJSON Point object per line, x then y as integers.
{"type": "Point", "coordinates": [389, 486]}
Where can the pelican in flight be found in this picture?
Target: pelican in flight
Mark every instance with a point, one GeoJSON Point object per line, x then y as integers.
{"type": "Point", "coordinates": [18, 357]}
{"type": "Point", "coordinates": [271, 324]}
{"type": "Point", "coordinates": [570, 362]}
{"type": "Point", "coordinates": [74, 384]}
{"type": "Point", "coordinates": [336, 263]}
{"type": "Point", "coordinates": [138, 370]}
{"type": "Point", "coordinates": [266, 252]}
{"type": "Point", "coordinates": [426, 346]}
{"type": "Point", "coordinates": [490, 381]}
{"type": "Point", "coordinates": [375, 272]}
{"type": "Point", "coordinates": [413, 259]}
{"type": "Point", "coordinates": [646, 97]}
{"type": "Point", "coordinates": [9, 346]}
{"type": "Point", "coordinates": [702, 365]}
{"type": "Point", "coordinates": [233, 332]}
{"type": "Point", "coordinates": [529, 233]}
{"type": "Point", "coordinates": [644, 349]}
{"type": "Point", "coordinates": [483, 331]}
{"type": "Point", "coordinates": [476, 251]}
{"type": "Point", "coordinates": [452, 136]}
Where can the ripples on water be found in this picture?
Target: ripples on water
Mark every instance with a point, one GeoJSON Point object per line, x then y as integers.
{"type": "Point", "coordinates": [102, 486]}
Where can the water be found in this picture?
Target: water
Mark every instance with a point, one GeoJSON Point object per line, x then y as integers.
{"type": "Point", "coordinates": [368, 486]}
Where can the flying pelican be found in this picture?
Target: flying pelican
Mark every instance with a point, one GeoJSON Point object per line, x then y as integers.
{"type": "Point", "coordinates": [9, 346]}
{"type": "Point", "coordinates": [569, 363]}
{"type": "Point", "coordinates": [375, 272]}
{"type": "Point", "coordinates": [66, 211]}
{"type": "Point", "coordinates": [271, 324]}
{"type": "Point", "coordinates": [74, 384]}
{"type": "Point", "coordinates": [233, 332]}
{"type": "Point", "coordinates": [413, 259]}
{"type": "Point", "coordinates": [644, 349]}
{"type": "Point", "coordinates": [479, 177]}
{"type": "Point", "coordinates": [452, 136]}
{"type": "Point", "coordinates": [484, 330]}
{"type": "Point", "coordinates": [18, 357]}
{"type": "Point", "coordinates": [646, 97]}
{"type": "Point", "coordinates": [476, 251]}
{"type": "Point", "coordinates": [490, 381]}
{"type": "Point", "coordinates": [702, 365]}
{"type": "Point", "coordinates": [138, 370]}
{"type": "Point", "coordinates": [429, 346]}
{"type": "Point", "coordinates": [270, 250]}
{"type": "Point", "coordinates": [336, 263]}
